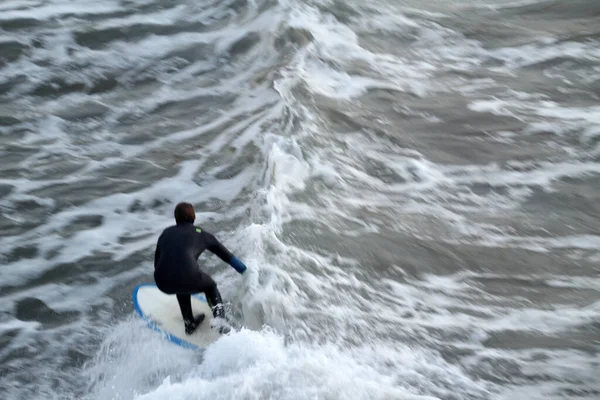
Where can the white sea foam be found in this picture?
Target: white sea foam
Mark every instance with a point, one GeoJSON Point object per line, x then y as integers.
{"type": "Point", "coordinates": [18, 4]}
{"type": "Point", "coordinates": [339, 45]}
{"type": "Point", "coordinates": [56, 9]}
{"type": "Point", "coordinates": [251, 364]}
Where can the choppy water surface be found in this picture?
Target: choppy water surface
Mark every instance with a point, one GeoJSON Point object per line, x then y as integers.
{"type": "Point", "coordinates": [415, 185]}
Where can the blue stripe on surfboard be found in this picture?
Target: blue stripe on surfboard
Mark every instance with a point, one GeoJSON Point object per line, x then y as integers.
{"type": "Point", "coordinates": [155, 327]}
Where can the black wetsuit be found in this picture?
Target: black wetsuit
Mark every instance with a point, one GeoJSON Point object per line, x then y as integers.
{"type": "Point", "coordinates": [176, 269]}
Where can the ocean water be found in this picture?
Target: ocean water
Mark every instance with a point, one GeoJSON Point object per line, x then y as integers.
{"type": "Point", "coordinates": [414, 186]}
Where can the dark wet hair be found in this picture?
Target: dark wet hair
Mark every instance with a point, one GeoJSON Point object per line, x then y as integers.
{"type": "Point", "coordinates": [184, 212]}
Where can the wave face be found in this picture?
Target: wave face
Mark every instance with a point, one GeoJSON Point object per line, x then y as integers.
{"type": "Point", "coordinates": [415, 186]}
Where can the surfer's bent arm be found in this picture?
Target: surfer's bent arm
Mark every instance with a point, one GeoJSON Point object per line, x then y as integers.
{"type": "Point", "coordinates": [217, 248]}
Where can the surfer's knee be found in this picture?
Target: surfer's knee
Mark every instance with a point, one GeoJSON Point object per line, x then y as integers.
{"type": "Point", "coordinates": [208, 282]}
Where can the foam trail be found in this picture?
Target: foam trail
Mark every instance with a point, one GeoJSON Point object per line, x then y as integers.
{"type": "Point", "coordinates": [251, 364]}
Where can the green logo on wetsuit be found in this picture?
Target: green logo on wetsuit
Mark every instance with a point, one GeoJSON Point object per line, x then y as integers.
{"type": "Point", "coordinates": [198, 230]}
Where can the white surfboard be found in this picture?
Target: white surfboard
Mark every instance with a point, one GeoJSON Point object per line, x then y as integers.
{"type": "Point", "coordinates": [161, 312]}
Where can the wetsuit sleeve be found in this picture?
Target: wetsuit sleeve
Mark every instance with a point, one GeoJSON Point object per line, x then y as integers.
{"type": "Point", "coordinates": [213, 245]}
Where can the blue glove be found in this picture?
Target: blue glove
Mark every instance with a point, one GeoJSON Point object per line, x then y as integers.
{"type": "Point", "coordinates": [238, 265]}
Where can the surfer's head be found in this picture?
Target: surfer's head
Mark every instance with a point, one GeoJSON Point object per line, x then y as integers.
{"type": "Point", "coordinates": [184, 212]}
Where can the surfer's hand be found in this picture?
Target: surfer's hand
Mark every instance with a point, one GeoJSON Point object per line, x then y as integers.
{"type": "Point", "coordinates": [250, 281]}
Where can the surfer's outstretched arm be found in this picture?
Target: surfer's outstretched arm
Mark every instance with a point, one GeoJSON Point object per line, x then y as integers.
{"type": "Point", "coordinates": [217, 248]}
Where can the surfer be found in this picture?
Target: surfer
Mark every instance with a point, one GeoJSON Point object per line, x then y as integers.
{"type": "Point", "coordinates": [176, 269]}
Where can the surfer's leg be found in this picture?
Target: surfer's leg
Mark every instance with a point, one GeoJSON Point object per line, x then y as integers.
{"type": "Point", "coordinates": [185, 304]}
{"type": "Point", "coordinates": [216, 304]}
{"type": "Point", "coordinates": [215, 301]}
{"type": "Point", "coordinates": [204, 283]}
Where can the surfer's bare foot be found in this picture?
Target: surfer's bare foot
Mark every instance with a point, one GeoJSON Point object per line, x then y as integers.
{"type": "Point", "coordinates": [190, 326]}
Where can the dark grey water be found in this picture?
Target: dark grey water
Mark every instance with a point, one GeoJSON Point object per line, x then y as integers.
{"type": "Point", "coordinates": [415, 186]}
